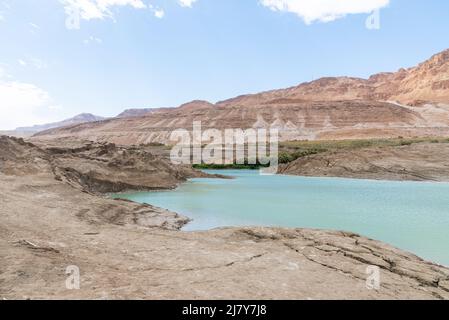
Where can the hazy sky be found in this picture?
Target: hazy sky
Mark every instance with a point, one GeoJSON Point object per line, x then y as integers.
{"type": "Point", "coordinates": [156, 53]}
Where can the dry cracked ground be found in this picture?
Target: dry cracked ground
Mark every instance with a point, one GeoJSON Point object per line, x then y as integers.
{"type": "Point", "coordinates": [53, 214]}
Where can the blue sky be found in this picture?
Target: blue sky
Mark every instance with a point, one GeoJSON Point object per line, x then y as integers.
{"type": "Point", "coordinates": [144, 53]}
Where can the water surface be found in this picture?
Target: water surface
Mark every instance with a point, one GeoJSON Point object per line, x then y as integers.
{"type": "Point", "coordinates": [413, 216]}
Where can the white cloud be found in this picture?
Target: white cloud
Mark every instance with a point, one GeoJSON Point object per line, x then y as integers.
{"type": "Point", "coordinates": [33, 62]}
{"type": "Point", "coordinates": [99, 9]}
{"type": "Point", "coordinates": [55, 107]}
{"type": "Point", "coordinates": [159, 13]}
{"type": "Point", "coordinates": [186, 3]}
{"type": "Point", "coordinates": [34, 26]}
{"type": "Point", "coordinates": [38, 64]}
{"type": "Point", "coordinates": [5, 10]}
{"type": "Point", "coordinates": [3, 73]}
{"type": "Point", "coordinates": [23, 104]}
{"type": "Point", "coordinates": [93, 39]}
{"type": "Point", "coordinates": [324, 10]}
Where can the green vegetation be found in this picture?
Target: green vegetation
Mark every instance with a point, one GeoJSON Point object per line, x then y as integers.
{"type": "Point", "coordinates": [328, 145]}
{"type": "Point", "coordinates": [293, 150]}
{"type": "Point", "coordinates": [156, 146]}
{"type": "Point", "coordinates": [287, 156]}
{"type": "Point", "coordinates": [227, 166]}
{"type": "Point", "coordinates": [298, 149]}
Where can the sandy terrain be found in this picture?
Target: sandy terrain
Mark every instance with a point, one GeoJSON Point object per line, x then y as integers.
{"type": "Point", "coordinates": [51, 219]}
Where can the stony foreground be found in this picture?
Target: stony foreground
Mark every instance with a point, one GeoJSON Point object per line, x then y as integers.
{"type": "Point", "coordinates": [49, 220]}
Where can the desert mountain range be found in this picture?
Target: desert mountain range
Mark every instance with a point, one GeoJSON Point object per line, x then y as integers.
{"type": "Point", "coordinates": [29, 131]}
{"type": "Point", "coordinates": [410, 102]}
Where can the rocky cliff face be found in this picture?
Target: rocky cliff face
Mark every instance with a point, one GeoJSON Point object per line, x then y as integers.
{"type": "Point", "coordinates": [410, 102]}
{"type": "Point", "coordinates": [426, 83]}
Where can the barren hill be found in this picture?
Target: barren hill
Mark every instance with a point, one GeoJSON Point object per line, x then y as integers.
{"type": "Point", "coordinates": [410, 102]}
{"type": "Point", "coordinates": [23, 132]}
{"type": "Point", "coordinates": [426, 83]}
{"type": "Point", "coordinates": [81, 118]}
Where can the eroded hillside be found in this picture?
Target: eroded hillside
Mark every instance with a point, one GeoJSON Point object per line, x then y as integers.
{"type": "Point", "coordinates": [411, 102]}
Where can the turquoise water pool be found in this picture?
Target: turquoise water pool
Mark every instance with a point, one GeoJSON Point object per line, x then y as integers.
{"type": "Point", "coordinates": [413, 216]}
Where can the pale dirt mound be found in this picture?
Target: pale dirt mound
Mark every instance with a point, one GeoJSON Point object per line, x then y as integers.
{"type": "Point", "coordinates": [18, 157]}
{"type": "Point", "coordinates": [416, 162]}
{"type": "Point", "coordinates": [108, 168]}
{"type": "Point", "coordinates": [53, 180]}
{"type": "Point", "coordinates": [93, 167]}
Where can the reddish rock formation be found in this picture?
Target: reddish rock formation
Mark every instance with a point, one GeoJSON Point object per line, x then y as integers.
{"type": "Point", "coordinates": [410, 102]}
